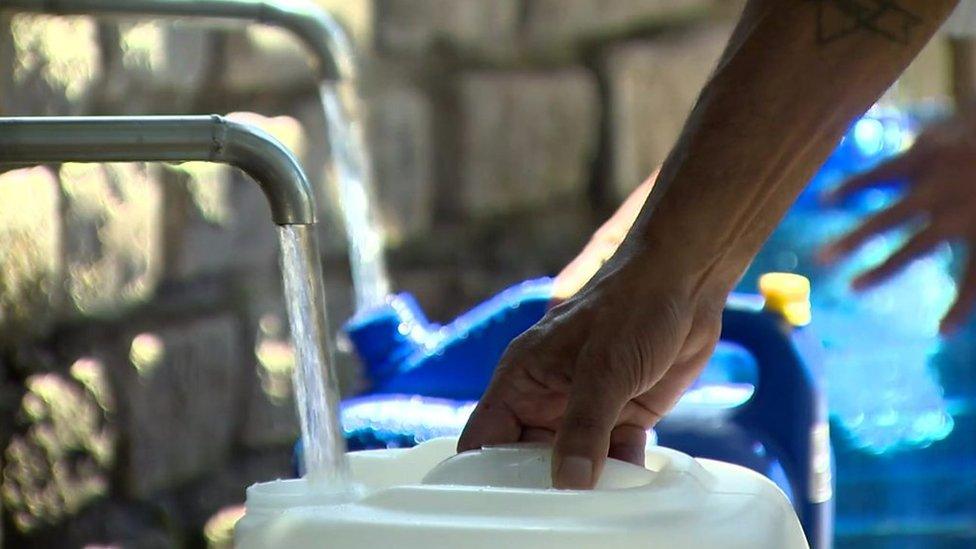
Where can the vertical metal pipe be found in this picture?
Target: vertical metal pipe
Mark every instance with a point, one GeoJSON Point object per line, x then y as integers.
{"type": "Point", "coordinates": [318, 30]}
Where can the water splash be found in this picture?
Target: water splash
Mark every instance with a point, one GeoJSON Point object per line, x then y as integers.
{"type": "Point", "coordinates": [364, 234]}
{"type": "Point", "coordinates": [880, 344]}
{"type": "Point", "coordinates": [316, 389]}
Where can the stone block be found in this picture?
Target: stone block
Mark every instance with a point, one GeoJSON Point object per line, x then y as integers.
{"type": "Point", "coordinates": [270, 417]}
{"type": "Point", "coordinates": [340, 305]}
{"type": "Point", "coordinates": [471, 27]}
{"type": "Point", "coordinates": [437, 289]}
{"type": "Point", "coordinates": [653, 85]}
{"type": "Point", "coordinates": [112, 236]}
{"type": "Point", "coordinates": [198, 208]}
{"type": "Point", "coordinates": [158, 65]}
{"type": "Point", "coordinates": [146, 49]}
{"type": "Point", "coordinates": [527, 138]}
{"type": "Point", "coordinates": [188, 56]}
{"type": "Point", "coordinates": [30, 257]}
{"type": "Point", "coordinates": [472, 261]}
{"type": "Point", "coordinates": [402, 153]}
{"type": "Point", "coordinates": [178, 402]}
{"type": "Point", "coordinates": [61, 458]}
{"type": "Point", "coordinates": [106, 522]}
{"type": "Point", "coordinates": [119, 523]}
{"type": "Point", "coordinates": [266, 60]}
{"type": "Point", "coordinates": [50, 65]}
{"type": "Point", "coordinates": [561, 25]}
{"type": "Point", "coordinates": [928, 77]}
{"type": "Point", "coordinates": [355, 17]}
{"type": "Point", "coordinates": [155, 65]}
{"type": "Point", "coordinates": [212, 505]}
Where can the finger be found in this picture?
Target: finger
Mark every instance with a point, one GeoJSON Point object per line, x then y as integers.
{"type": "Point", "coordinates": [901, 166]}
{"type": "Point", "coordinates": [538, 434]}
{"type": "Point", "coordinates": [628, 443]}
{"type": "Point", "coordinates": [663, 396]}
{"type": "Point", "coordinates": [918, 244]}
{"type": "Point", "coordinates": [492, 421]}
{"type": "Point", "coordinates": [583, 438]}
{"type": "Point", "coordinates": [962, 307]}
{"type": "Point", "coordinates": [875, 224]}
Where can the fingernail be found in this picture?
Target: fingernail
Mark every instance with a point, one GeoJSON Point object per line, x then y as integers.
{"type": "Point", "coordinates": [574, 473]}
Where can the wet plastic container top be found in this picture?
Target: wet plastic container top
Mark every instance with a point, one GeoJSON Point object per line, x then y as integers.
{"type": "Point", "coordinates": [426, 497]}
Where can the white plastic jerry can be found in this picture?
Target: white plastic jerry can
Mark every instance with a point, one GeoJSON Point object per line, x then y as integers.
{"type": "Point", "coordinates": [501, 497]}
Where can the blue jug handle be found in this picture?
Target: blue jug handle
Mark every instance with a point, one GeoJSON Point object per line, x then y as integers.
{"type": "Point", "coordinates": [788, 409]}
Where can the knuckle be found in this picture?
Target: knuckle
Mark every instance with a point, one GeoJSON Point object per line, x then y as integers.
{"type": "Point", "coordinates": [525, 347]}
{"type": "Point", "coordinates": [582, 424]}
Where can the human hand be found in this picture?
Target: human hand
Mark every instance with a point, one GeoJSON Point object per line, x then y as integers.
{"type": "Point", "coordinates": [600, 369]}
{"type": "Point", "coordinates": [940, 199]}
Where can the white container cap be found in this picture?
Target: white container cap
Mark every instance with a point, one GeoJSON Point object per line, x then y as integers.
{"type": "Point", "coordinates": [500, 497]}
{"type": "Point", "coordinates": [528, 466]}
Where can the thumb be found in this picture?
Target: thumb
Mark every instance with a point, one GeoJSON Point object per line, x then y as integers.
{"type": "Point", "coordinates": [583, 438]}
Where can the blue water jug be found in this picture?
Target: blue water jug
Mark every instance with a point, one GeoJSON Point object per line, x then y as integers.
{"type": "Point", "coordinates": [404, 353]}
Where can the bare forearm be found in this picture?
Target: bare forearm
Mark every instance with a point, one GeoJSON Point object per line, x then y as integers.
{"type": "Point", "coordinates": [794, 75]}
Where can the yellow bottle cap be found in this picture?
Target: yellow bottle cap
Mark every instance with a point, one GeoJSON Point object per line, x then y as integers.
{"type": "Point", "coordinates": [787, 294]}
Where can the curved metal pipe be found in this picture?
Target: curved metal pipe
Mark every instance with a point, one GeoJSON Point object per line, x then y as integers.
{"type": "Point", "coordinates": [37, 140]}
{"type": "Point", "coordinates": [318, 30]}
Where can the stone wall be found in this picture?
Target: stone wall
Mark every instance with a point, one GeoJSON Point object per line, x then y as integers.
{"type": "Point", "coordinates": [144, 355]}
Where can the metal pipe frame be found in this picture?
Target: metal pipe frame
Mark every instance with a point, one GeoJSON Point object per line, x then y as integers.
{"type": "Point", "coordinates": [40, 140]}
{"type": "Point", "coordinates": [318, 30]}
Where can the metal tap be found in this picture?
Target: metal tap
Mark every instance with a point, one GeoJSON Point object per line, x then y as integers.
{"type": "Point", "coordinates": [318, 30]}
{"type": "Point", "coordinates": [38, 140]}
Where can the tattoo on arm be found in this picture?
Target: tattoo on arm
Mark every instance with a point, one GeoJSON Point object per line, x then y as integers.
{"type": "Point", "coordinates": [837, 19]}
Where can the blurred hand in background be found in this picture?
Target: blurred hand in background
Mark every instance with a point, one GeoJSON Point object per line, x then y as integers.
{"type": "Point", "coordinates": [939, 203]}
{"type": "Point", "coordinates": [601, 245]}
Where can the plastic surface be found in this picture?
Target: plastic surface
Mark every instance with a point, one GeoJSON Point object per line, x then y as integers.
{"type": "Point", "coordinates": [782, 430]}
{"type": "Point", "coordinates": [405, 353]}
{"type": "Point", "coordinates": [530, 466]}
{"type": "Point", "coordinates": [676, 502]}
{"type": "Point", "coordinates": [788, 295]}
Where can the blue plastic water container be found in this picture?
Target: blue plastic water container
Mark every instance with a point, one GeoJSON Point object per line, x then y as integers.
{"type": "Point", "coordinates": [404, 353]}
{"type": "Point", "coordinates": [883, 338]}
